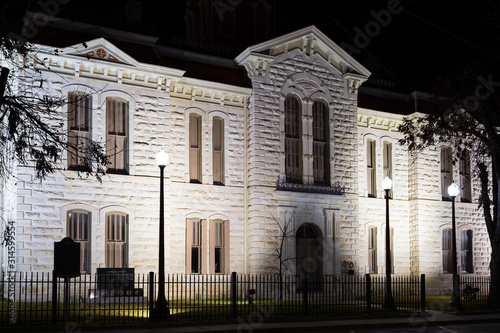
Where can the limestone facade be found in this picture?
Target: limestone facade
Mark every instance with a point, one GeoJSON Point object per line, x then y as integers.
{"type": "Point", "coordinates": [305, 64]}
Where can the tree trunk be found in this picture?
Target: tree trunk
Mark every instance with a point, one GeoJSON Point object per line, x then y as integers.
{"type": "Point", "coordinates": [494, 294]}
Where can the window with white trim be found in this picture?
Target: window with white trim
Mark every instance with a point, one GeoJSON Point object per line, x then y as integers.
{"type": "Point", "coordinates": [446, 251]}
{"type": "Point", "coordinates": [195, 148]}
{"type": "Point", "coordinates": [79, 113]}
{"type": "Point", "coordinates": [79, 231]}
{"type": "Point", "coordinates": [218, 150]}
{"type": "Point", "coordinates": [370, 169]}
{"type": "Point", "coordinates": [321, 148]}
{"type": "Point", "coordinates": [466, 251]}
{"type": "Point", "coordinates": [219, 247]}
{"type": "Point", "coordinates": [293, 140]}
{"type": "Point", "coordinates": [372, 250]}
{"type": "Point", "coordinates": [117, 137]}
{"type": "Point", "coordinates": [116, 240]}
{"type": "Point", "coordinates": [465, 181]}
{"type": "Point", "coordinates": [196, 230]}
{"type": "Point", "coordinates": [446, 171]}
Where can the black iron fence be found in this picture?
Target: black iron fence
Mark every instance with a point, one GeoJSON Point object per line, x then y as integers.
{"type": "Point", "coordinates": [38, 299]}
{"type": "Point", "coordinates": [474, 291]}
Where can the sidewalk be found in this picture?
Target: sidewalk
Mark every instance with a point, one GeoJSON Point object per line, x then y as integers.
{"type": "Point", "coordinates": [434, 318]}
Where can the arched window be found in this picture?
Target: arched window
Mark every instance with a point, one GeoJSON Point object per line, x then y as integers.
{"type": "Point", "coordinates": [117, 135]}
{"type": "Point", "coordinates": [466, 251]}
{"type": "Point", "coordinates": [465, 183]}
{"type": "Point", "coordinates": [371, 178]}
{"type": "Point", "coordinates": [116, 240]}
{"type": "Point", "coordinates": [79, 231]}
{"type": "Point", "coordinates": [219, 247]}
{"type": "Point", "coordinates": [79, 125]}
{"type": "Point", "coordinates": [293, 140]}
{"type": "Point", "coordinates": [321, 148]}
{"type": "Point", "coordinates": [446, 171]}
{"type": "Point", "coordinates": [195, 148]}
{"type": "Point", "coordinates": [372, 250]}
{"type": "Point", "coordinates": [218, 150]}
{"type": "Point", "coordinates": [446, 250]}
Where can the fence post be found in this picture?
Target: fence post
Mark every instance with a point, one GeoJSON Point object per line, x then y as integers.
{"type": "Point", "coordinates": [54, 297]}
{"type": "Point", "coordinates": [234, 295]}
{"type": "Point", "coordinates": [368, 294]}
{"type": "Point", "coordinates": [422, 294]}
{"type": "Point", "coordinates": [151, 294]}
{"type": "Point", "coordinates": [305, 295]}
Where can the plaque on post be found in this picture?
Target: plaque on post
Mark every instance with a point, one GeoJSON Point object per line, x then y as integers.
{"type": "Point", "coordinates": [66, 265]}
{"type": "Point", "coordinates": [67, 258]}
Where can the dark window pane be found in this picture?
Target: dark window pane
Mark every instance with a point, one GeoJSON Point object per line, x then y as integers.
{"type": "Point", "coordinates": [195, 255]}
{"type": "Point", "coordinates": [218, 260]}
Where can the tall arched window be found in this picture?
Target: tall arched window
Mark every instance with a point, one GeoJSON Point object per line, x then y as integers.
{"type": "Point", "coordinates": [466, 251]}
{"type": "Point", "coordinates": [321, 149]}
{"type": "Point", "coordinates": [293, 140]}
{"type": "Point", "coordinates": [446, 171]}
{"type": "Point", "coordinates": [79, 125]}
{"type": "Point", "coordinates": [117, 135]}
{"type": "Point", "coordinates": [196, 231]}
{"type": "Point", "coordinates": [195, 148]}
{"type": "Point", "coordinates": [465, 181]}
{"type": "Point", "coordinates": [371, 179]}
{"type": "Point", "coordinates": [372, 250]}
{"type": "Point", "coordinates": [79, 231]}
{"type": "Point", "coordinates": [116, 240]}
{"type": "Point", "coordinates": [218, 150]}
{"type": "Point", "coordinates": [446, 251]}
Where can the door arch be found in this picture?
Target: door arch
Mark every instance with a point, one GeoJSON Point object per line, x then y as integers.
{"type": "Point", "coordinates": [309, 252]}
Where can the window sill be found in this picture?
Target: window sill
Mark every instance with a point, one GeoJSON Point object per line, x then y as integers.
{"type": "Point", "coordinates": [79, 168]}
{"type": "Point", "coordinates": [117, 172]}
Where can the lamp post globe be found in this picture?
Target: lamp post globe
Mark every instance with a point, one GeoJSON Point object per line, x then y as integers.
{"type": "Point", "coordinates": [387, 183]}
{"type": "Point", "coordinates": [162, 158]}
{"type": "Point", "coordinates": [453, 190]}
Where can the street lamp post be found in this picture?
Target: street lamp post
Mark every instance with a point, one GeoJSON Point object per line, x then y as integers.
{"type": "Point", "coordinates": [161, 310]}
{"type": "Point", "coordinates": [389, 301]}
{"type": "Point", "coordinates": [453, 191]}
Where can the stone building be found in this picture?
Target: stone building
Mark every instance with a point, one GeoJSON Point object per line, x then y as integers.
{"type": "Point", "coordinates": [279, 152]}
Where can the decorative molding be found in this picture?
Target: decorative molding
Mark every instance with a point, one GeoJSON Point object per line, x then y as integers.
{"type": "Point", "coordinates": [101, 60]}
{"type": "Point", "coordinates": [334, 189]}
{"type": "Point", "coordinates": [309, 40]}
{"type": "Point", "coordinates": [379, 120]}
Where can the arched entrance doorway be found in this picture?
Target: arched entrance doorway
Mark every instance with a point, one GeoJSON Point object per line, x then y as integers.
{"type": "Point", "coordinates": [309, 252]}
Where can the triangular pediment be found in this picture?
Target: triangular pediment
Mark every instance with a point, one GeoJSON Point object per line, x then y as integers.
{"type": "Point", "coordinates": [311, 41]}
{"type": "Point", "coordinates": [100, 49]}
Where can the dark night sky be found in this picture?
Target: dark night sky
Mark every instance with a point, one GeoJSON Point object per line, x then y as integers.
{"type": "Point", "coordinates": [423, 38]}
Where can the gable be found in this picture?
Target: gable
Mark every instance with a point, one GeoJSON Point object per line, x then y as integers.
{"type": "Point", "coordinates": [310, 41]}
{"type": "Point", "coordinates": [100, 49]}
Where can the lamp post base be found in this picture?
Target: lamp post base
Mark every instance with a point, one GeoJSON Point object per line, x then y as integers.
{"type": "Point", "coordinates": [389, 304]}
{"type": "Point", "coordinates": [455, 298]}
{"type": "Point", "coordinates": [160, 313]}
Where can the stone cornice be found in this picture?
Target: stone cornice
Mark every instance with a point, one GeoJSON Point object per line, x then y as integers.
{"type": "Point", "coordinates": [210, 92]}
{"type": "Point", "coordinates": [101, 60]}
{"type": "Point", "coordinates": [379, 120]}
